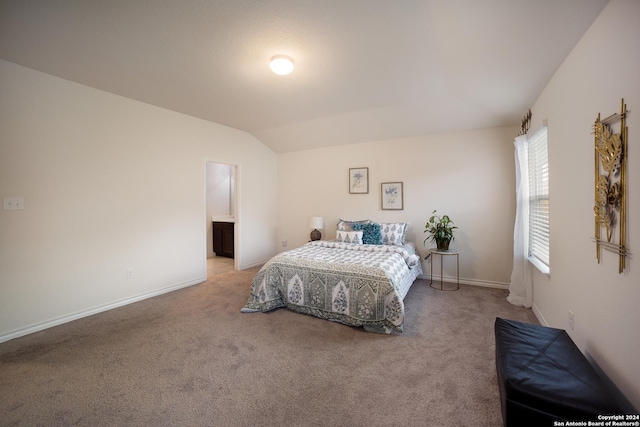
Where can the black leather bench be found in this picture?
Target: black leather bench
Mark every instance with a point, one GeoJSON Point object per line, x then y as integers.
{"type": "Point", "coordinates": [543, 377]}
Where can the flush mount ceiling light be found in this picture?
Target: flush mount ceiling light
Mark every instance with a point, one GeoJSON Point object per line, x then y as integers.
{"type": "Point", "coordinates": [281, 65]}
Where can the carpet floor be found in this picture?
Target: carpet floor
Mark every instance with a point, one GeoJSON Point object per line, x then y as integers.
{"type": "Point", "coordinates": [190, 358]}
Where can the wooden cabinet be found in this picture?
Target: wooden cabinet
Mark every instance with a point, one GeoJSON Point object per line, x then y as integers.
{"type": "Point", "coordinates": [223, 238]}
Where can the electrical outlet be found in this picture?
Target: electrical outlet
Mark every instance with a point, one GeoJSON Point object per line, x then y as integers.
{"type": "Point", "coordinates": [284, 243]}
{"type": "Point", "coordinates": [571, 319]}
{"type": "Point", "coordinates": [12, 203]}
{"type": "Point", "coordinates": [129, 273]}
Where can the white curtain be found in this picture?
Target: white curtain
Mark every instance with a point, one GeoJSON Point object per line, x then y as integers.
{"type": "Point", "coordinates": [521, 286]}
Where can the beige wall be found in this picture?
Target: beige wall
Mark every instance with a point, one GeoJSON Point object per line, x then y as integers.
{"type": "Point", "coordinates": [603, 68]}
{"type": "Point", "coordinates": [110, 184]}
{"type": "Point", "coordinates": [467, 175]}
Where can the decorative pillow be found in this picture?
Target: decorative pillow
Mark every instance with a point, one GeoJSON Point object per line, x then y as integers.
{"type": "Point", "coordinates": [393, 233]}
{"type": "Point", "coordinates": [347, 224]}
{"type": "Point", "coordinates": [370, 233]}
{"type": "Point", "coordinates": [354, 237]}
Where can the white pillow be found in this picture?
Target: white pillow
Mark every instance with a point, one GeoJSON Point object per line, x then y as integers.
{"type": "Point", "coordinates": [393, 233]}
{"type": "Point", "coordinates": [347, 224]}
{"type": "Point", "coordinates": [354, 237]}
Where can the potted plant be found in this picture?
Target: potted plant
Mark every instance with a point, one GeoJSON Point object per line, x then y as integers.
{"type": "Point", "coordinates": [440, 230]}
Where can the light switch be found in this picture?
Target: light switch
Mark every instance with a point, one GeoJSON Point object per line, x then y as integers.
{"type": "Point", "coordinates": [12, 203]}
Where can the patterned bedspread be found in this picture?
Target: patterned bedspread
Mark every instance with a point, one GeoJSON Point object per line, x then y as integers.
{"type": "Point", "coordinates": [353, 284]}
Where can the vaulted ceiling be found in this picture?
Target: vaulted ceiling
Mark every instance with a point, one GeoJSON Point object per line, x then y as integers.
{"type": "Point", "coordinates": [365, 70]}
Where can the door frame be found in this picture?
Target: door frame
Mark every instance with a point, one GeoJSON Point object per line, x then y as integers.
{"type": "Point", "coordinates": [237, 253]}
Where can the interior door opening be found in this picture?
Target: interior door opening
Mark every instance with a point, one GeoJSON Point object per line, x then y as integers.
{"type": "Point", "coordinates": [221, 217]}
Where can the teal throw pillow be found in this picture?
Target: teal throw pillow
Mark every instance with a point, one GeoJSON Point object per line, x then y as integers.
{"type": "Point", "coordinates": [370, 233]}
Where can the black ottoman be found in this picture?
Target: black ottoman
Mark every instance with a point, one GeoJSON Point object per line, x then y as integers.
{"type": "Point", "coordinates": [543, 377]}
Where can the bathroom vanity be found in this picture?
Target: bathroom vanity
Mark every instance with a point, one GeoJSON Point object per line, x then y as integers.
{"type": "Point", "coordinates": [223, 236]}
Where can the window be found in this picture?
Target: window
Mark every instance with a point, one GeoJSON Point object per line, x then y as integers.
{"type": "Point", "coordinates": [538, 164]}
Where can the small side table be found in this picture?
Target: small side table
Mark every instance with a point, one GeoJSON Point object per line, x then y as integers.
{"type": "Point", "coordinates": [442, 254]}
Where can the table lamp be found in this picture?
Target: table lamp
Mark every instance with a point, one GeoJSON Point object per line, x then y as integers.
{"type": "Point", "coordinates": [317, 223]}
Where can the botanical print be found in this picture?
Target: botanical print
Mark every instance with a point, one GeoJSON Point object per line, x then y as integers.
{"type": "Point", "coordinates": [295, 290]}
{"type": "Point", "coordinates": [391, 193]}
{"type": "Point", "coordinates": [317, 295]}
{"type": "Point", "coordinates": [394, 309]}
{"type": "Point", "coordinates": [340, 301]}
{"type": "Point", "coordinates": [359, 180]}
{"type": "Point", "coordinates": [365, 308]}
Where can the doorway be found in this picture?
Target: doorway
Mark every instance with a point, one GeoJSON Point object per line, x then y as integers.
{"type": "Point", "coordinates": [221, 214]}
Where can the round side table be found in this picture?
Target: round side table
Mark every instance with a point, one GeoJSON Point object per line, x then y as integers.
{"type": "Point", "coordinates": [443, 254]}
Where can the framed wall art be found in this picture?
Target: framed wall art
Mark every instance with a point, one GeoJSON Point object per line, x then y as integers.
{"type": "Point", "coordinates": [610, 207]}
{"type": "Point", "coordinates": [391, 195]}
{"type": "Point", "coordinates": [359, 180]}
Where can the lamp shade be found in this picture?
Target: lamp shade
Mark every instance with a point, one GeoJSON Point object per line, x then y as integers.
{"type": "Point", "coordinates": [316, 223]}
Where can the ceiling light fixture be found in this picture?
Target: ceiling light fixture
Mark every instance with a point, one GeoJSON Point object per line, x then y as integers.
{"type": "Point", "coordinates": [281, 65]}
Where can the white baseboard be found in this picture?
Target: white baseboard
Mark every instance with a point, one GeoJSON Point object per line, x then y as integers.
{"type": "Point", "coordinates": [472, 282]}
{"type": "Point", "coordinates": [79, 315]}
{"type": "Point", "coordinates": [254, 264]}
{"type": "Point", "coordinates": [539, 316]}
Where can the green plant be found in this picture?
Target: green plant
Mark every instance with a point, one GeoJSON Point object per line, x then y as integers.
{"type": "Point", "coordinates": [440, 230]}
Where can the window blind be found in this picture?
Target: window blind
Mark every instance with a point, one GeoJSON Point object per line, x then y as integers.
{"type": "Point", "coordinates": [539, 196]}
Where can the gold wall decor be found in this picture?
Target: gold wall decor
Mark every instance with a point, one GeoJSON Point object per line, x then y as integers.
{"type": "Point", "coordinates": [610, 209]}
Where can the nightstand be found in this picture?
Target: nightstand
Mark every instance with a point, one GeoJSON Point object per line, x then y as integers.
{"type": "Point", "coordinates": [442, 254]}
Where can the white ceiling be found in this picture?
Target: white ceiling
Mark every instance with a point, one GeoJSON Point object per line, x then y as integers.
{"type": "Point", "coordinates": [365, 70]}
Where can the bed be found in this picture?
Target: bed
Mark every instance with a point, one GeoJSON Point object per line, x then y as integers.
{"type": "Point", "coordinates": [348, 280]}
